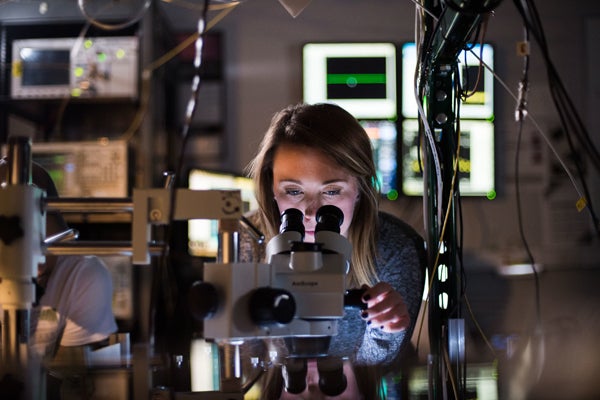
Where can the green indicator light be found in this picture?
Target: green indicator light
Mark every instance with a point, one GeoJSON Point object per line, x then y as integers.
{"type": "Point", "coordinates": [491, 195]}
{"type": "Point", "coordinates": [101, 56]}
{"type": "Point", "coordinates": [78, 71]}
{"type": "Point", "coordinates": [358, 78]}
{"type": "Point", "coordinates": [76, 92]}
{"type": "Point", "coordinates": [88, 43]}
{"type": "Point", "coordinates": [120, 53]}
{"type": "Point", "coordinates": [392, 195]}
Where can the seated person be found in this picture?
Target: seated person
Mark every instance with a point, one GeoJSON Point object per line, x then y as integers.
{"type": "Point", "coordinates": [75, 306]}
{"type": "Point", "coordinates": [316, 155]}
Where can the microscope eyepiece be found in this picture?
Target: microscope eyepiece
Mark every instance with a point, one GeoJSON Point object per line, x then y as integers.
{"type": "Point", "coordinates": [329, 218]}
{"type": "Point", "coordinates": [332, 380]}
{"type": "Point", "coordinates": [294, 375]}
{"type": "Point", "coordinates": [291, 220]}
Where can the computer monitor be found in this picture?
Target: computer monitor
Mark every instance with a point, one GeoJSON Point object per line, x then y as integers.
{"type": "Point", "coordinates": [202, 233]}
{"type": "Point", "coordinates": [475, 78]}
{"type": "Point", "coordinates": [476, 165]}
{"type": "Point", "coordinates": [86, 169]}
{"type": "Point", "coordinates": [384, 138]}
{"type": "Point", "coordinates": [359, 77]}
{"type": "Point", "coordinates": [477, 153]}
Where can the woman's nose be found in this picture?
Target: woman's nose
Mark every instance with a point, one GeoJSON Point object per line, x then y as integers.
{"type": "Point", "coordinates": [311, 207]}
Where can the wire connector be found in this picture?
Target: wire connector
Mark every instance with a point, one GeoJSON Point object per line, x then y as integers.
{"type": "Point", "coordinates": [521, 109]}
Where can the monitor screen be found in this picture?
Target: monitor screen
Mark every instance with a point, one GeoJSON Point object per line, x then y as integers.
{"type": "Point", "coordinates": [203, 233]}
{"type": "Point", "coordinates": [86, 169]}
{"type": "Point", "coordinates": [476, 159]}
{"type": "Point", "coordinates": [45, 66]}
{"type": "Point", "coordinates": [477, 155]}
{"type": "Point", "coordinates": [360, 77]}
{"type": "Point", "coordinates": [383, 135]}
{"type": "Point", "coordinates": [476, 80]}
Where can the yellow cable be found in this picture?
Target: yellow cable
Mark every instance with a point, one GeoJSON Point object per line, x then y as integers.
{"type": "Point", "coordinates": [188, 41]}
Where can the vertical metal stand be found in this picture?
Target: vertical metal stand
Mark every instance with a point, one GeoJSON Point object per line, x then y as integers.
{"type": "Point", "coordinates": [229, 351]}
{"type": "Point", "coordinates": [20, 254]}
{"type": "Point", "coordinates": [444, 38]}
{"type": "Point", "coordinates": [443, 269]}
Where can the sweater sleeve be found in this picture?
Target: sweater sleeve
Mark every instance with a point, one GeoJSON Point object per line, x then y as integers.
{"type": "Point", "coordinates": [401, 263]}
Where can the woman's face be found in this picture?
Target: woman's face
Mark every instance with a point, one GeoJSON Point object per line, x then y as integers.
{"type": "Point", "coordinates": [307, 179]}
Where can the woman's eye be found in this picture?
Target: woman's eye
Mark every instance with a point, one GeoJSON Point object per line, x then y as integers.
{"type": "Point", "coordinates": [293, 192]}
{"type": "Point", "coordinates": [333, 192]}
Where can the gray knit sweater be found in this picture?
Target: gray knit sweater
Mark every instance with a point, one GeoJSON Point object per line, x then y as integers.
{"type": "Point", "coordinates": [400, 262]}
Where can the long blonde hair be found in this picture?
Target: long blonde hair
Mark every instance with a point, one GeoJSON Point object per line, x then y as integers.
{"type": "Point", "coordinates": [335, 132]}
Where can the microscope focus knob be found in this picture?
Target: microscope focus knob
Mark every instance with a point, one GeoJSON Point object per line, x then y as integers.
{"type": "Point", "coordinates": [353, 299]}
{"type": "Point", "coordinates": [270, 306]}
{"type": "Point", "coordinates": [203, 300]}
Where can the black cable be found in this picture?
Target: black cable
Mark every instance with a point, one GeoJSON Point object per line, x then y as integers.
{"type": "Point", "coordinates": [162, 278]}
{"type": "Point", "coordinates": [469, 7]}
{"type": "Point", "coordinates": [521, 110]}
{"type": "Point", "coordinates": [568, 115]}
{"type": "Point", "coordinates": [465, 94]}
{"type": "Point", "coordinates": [459, 223]}
{"type": "Point", "coordinates": [521, 231]}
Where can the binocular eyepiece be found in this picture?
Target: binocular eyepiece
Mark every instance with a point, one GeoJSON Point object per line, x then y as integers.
{"type": "Point", "coordinates": [329, 218]}
{"type": "Point", "coordinates": [332, 381]}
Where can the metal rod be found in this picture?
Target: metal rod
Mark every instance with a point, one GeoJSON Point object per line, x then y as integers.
{"type": "Point", "coordinates": [90, 205]}
{"type": "Point", "coordinates": [19, 156]}
{"type": "Point", "coordinates": [99, 248]}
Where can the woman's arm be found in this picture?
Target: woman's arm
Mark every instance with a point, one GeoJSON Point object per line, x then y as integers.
{"type": "Point", "coordinates": [393, 303]}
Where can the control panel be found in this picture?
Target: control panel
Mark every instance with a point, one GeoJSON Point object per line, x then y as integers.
{"type": "Point", "coordinates": [75, 67]}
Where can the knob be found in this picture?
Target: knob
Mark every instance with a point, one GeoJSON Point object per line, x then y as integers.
{"type": "Point", "coordinates": [270, 306]}
{"type": "Point", "coordinates": [203, 300]}
{"type": "Point", "coordinates": [353, 299]}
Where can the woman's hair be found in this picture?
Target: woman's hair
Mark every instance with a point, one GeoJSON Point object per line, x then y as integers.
{"type": "Point", "coordinates": [337, 134]}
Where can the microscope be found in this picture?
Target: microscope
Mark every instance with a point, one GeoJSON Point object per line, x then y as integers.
{"type": "Point", "coordinates": [22, 232]}
{"type": "Point", "coordinates": [298, 295]}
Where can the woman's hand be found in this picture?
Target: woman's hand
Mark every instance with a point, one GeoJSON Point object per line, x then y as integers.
{"type": "Point", "coordinates": [385, 308]}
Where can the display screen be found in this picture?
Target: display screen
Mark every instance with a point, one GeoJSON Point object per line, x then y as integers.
{"type": "Point", "coordinates": [384, 137]}
{"type": "Point", "coordinates": [44, 67]}
{"type": "Point", "coordinates": [356, 78]}
{"type": "Point", "coordinates": [203, 238]}
{"type": "Point", "coordinates": [87, 168]}
{"type": "Point", "coordinates": [476, 174]}
{"type": "Point", "coordinates": [61, 168]}
{"type": "Point", "coordinates": [360, 77]}
{"type": "Point", "coordinates": [476, 80]}
{"type": "Point", "coordinates": [476, 164]}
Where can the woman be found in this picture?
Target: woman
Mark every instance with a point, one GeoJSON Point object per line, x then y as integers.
{"type": "Point", "coordinates": [313, 155]}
